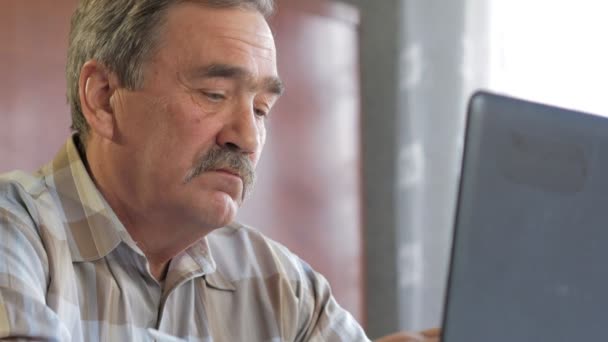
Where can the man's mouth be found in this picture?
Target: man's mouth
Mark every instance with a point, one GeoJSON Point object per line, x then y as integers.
{"type": "Point", "coordinates": [229, 171]}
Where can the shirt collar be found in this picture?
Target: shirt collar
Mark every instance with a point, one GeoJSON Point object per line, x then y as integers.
{"type": "Point", "coordinates": [196, 261]}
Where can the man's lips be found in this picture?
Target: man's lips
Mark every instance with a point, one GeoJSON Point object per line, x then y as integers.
{"type": "Point", "coordinates": [228, 172]}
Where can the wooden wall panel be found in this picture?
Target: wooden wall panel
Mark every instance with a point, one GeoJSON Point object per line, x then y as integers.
{"type": "Point", "coordinates": [308, 195]}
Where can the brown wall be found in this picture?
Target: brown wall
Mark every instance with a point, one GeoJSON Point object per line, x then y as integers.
{"type": "Point", "coordinates": [308, 196]}
{"type": "Point", "coordinates": [309, 192]}
{"type": "Point", "coordinates": [34, 117]}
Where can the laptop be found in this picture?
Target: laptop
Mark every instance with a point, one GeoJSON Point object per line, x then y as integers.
{"type": "Point", "coordinates": [530, 248]}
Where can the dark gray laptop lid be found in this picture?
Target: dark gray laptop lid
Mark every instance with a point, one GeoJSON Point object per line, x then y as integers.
{"type": "Point", "coordinates": [531, 232]}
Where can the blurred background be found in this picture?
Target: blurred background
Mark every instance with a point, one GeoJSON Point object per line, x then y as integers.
{"type": "Point", "coordinates": [360, 171]}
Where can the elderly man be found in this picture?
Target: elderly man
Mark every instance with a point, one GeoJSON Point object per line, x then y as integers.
{"type": "Point", "coordinates": [128, 234]}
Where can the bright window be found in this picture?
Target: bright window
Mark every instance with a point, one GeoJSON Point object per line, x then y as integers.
{"type": "Point", "coordinates": [553, 51]}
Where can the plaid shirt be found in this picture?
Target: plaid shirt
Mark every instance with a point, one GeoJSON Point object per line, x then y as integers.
{"type": "Point", "coordinates": [69, 271]}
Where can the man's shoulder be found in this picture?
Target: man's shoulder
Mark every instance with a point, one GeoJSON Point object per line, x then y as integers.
{"type": "Point", "coordinates": [19, 192]}
{"type": "Point", "coordinates": [28, 202]}
{"type": "Point", "coordinates": [21, 203]}
{"type": "Point", "coordinates": [242, 251]}
{"type": "Point", "coordinates": [32, 183]}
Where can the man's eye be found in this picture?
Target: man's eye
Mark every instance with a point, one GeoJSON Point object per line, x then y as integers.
{"type": "Point", "coordinates": [214, 96]}
{"type": "Point", "coordinates": [260, 112]}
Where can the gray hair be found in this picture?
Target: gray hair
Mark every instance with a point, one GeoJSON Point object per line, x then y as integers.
{"type": "Point", "coordinates": [121, 34]}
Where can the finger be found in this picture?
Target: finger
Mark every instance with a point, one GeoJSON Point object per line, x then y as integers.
{"type": "Point", "coordinates": [435, 332]}
{"type": "Point", "coordinates": [403, 337]}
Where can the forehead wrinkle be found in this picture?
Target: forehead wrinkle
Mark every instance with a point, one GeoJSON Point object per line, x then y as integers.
{"type": "Point", "coordinates": [264, 49]}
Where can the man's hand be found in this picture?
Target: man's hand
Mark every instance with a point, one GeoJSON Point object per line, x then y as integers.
{"type": "Point", "coordinates": [430, 335]}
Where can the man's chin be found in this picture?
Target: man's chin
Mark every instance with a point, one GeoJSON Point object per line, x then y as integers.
{"type": "Point", "coordinates": [221, 209]}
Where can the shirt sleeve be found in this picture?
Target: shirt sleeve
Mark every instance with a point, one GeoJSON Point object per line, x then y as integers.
{"type": "Point", "coordinates": [321, 317]}
{"type": "Point", "coordinates": [24, 314]}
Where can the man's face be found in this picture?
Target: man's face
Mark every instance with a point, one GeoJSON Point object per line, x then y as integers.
{"type": "Point", "coordinates": [189, 139]}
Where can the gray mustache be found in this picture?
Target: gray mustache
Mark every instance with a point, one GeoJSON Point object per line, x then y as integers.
{"type": "Point", "coordinates": [224, 158]}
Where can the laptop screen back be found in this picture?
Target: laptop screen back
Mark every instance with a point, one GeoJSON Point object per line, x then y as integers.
{"type": "Point", "coordinates": [530, 249]}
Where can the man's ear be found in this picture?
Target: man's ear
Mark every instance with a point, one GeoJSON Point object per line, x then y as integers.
{"type": "Point", "coordinates": [96, 86]}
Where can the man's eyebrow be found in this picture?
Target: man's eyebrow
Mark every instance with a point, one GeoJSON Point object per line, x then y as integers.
{"type": "Point", "coordinates": [271, 84]}
{"type": "Point", "coordinates": [220, 70]}
{"type": "Point", "coordinates": [274, 85]}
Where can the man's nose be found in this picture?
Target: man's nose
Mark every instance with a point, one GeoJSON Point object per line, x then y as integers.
{"type": "Point", "coordinates": [241, 131]}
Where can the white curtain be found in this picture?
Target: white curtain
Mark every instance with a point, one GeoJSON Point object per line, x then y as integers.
{"type": "Point", "coordinates": [446, 58]}
{"type": "Point", "coordinates": [421, 59]}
